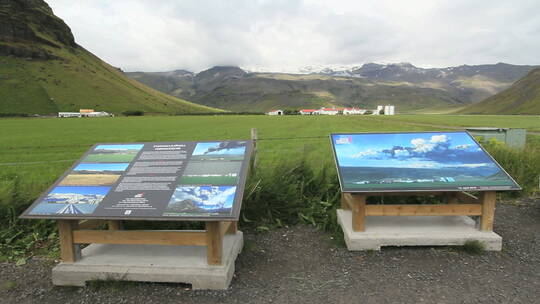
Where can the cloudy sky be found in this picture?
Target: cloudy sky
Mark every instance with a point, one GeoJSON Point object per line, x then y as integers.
{"type": "Point", "coordinates": [285, 35]}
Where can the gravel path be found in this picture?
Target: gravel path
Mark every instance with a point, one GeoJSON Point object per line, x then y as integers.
{"type": "Point", "coordinates": [302, 265]}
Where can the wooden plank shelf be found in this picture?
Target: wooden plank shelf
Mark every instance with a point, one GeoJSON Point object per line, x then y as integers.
{"type": "Point", "coordinates": [458, 203]}
{"type": "Point", "coordinates": [72, 234]}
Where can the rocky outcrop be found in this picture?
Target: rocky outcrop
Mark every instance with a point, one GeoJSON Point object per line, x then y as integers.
{"type": "Point", "coordinates": [26, 26]}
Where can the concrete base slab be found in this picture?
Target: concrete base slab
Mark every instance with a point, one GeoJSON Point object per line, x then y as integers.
{"type": "Point", "coordinates": [151, 263]}
{"type": "Point", "coordinates": [414, 231]}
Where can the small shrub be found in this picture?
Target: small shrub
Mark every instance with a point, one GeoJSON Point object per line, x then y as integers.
{"type": "Point", "coordinates": [474, 247]}
{"type": "Point", "coordinates": [133, 113]}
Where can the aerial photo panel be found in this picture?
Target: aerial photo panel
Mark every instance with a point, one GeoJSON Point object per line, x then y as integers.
{"type": "Point", "coordinates": [220, 151]}
{"type": "Point", "coordinates": [416, 161]}
{"type": "Point", "coordinates": [201, 201]}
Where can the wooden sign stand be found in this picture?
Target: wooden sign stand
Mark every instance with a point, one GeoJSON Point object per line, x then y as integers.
{"type": "Point", "coordinates": [73, 233]}
{"type": "Point", "coordinates": [458, 203]}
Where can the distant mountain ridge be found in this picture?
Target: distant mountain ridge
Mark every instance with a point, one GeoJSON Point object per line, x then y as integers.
{"type": "Point", "coordinates": [408, 87]}
{"type": "Point", "coordinates": [44, 71]}
{"type": "Point", "coordinates": [523, 97]}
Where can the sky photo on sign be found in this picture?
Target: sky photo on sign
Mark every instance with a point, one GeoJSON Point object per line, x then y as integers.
{"type": "Point", "coordinates": [71, 200]}
{"type": "Point", "coordinates": [115, 167]}
{"type": "Point", "coordinates": [415, 160]}
{"type": "Point", "coordinates": [203, 200]}
{"type": "Point", "coordinates": [119, 147]}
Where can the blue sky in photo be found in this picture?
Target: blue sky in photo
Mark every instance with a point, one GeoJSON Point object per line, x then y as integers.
{"type": "Point", "coordinates": [85, 190]}
{"type": "Point", "coordinates": [410, 150]}
{"type": "Point", "coordinates": [202, 148]}
{"type": "Point", "coordinates": [119, 147]}
{"type": "Point", "coordinates": [206, 197]}
{"type": "Point", "coordinates": [102, 167]}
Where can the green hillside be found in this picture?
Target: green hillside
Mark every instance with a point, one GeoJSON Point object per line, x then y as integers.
{"type": "Point", "coordinates": [523, 97]}
{"type": "Point", "coordinates": [43, 70]}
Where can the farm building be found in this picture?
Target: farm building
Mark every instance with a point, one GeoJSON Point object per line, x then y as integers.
{"type": "Point", "coordinates": [69, 114]}
{"type": "Point", "coordinates": [353, 111]}
{"type": "Point", "coordinates": [308, 112]}
{"type": "Point", "coordinates": [328, 111]}
{"type": "Point", "coordinates": [275, 112]}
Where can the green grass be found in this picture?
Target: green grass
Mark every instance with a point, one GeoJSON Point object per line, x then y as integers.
{"type": "Point", "coordinates": [295, 180]}
{"type": "Point", "coordinates": [529, 122]}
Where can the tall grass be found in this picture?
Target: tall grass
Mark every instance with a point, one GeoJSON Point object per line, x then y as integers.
{"type": "Point", "coordinates": [523, 165]}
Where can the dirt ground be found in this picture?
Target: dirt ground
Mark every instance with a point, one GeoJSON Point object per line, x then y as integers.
{"type": "Point", "coordinates": [302, 265]}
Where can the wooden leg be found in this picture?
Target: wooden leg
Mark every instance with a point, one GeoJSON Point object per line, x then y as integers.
{"type": "Point", "coordinates": [115, 225]}
{"type": "Point", "coordinates": [214, 243]}
{"type": "Point", "coordinates": [233, 228]}
{"type": "Point", "coordinates": [358, 212]}
{"type": "Point", "coordinates": [344, 204]}
{"type": "Point", "coordinates": [488, 200]}
{"type": "Point", "coordinates": [451, 198]}
{"type": "Point", "coordinates": [69, 252]}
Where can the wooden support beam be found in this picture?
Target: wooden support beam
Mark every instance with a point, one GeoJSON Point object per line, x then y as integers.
{"type": "Point", "coordinates": [409, 210]}
{"type": "Point", "coordinates": [344, 203]}
{"type": "Point", "coordinates": [69, 251]}
{"type": "Point", "coordinates": [90, 224]}
{"type": "Point", "coordinates": [488, 200]}
{"type": "Point", "coordinates": [224, 227]}
{"type": "Point", "coordinates": [233, 228]}
{"type": "Point", "coordinates": [115, 225]}
{"type": "Point", "coordinates": [467, 198]}
{"type": "Point", "coordinates": [357, 204]}
{"type": "Point", "coordinates": [153, 237]}
{"type": "Point", "coordinates": [214, 243]}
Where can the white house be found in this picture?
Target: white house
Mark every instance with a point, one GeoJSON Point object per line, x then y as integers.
{"type": "Point", "coordinates": [328, 111]}
{"type": "Point", "coordinates": [97, 114]}
{"type": "Point", "coordinates": [353, 111]}
{"type": "Point", "coordinates": [275, 112]}
{"type": "Point", "coordinates": [69, 114]}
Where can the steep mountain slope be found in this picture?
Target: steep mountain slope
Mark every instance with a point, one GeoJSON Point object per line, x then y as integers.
{"type": "Point", "coordinates": [408, 87]}
{"type": "Point", "coordinates": [521, 98]}
{"type": "Point", "coordinates": [43, 70]}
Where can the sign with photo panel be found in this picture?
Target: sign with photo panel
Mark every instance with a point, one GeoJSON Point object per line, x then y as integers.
{"type": "Point", "coordinates": [416, 161]}
{"type": "Point", "coordinates": [156, 181]}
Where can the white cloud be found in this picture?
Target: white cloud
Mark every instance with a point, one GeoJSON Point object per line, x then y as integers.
{"type": "Point", "coordinates": [420, 145]}
{"type": "Point", "coordinates": [439, 139]}
{"type": "Point", "coordinates": [401, 153]}
{"type": "Point", "coordinates": [464, 147]}
{"type": "Point", "coordinates": [361, 154]}
{"type": "Point", "coordinates": [288, 34]}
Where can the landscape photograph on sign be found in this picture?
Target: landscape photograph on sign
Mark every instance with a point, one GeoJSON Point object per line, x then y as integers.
{"type": "Point", "coordinates": [70, 200]}
{"type": "Point", "coordinates": [226, 150]}
{"type": "Point", "coordinates": [211, 173]}
{"type": "Point", "coordinates": [89, 180]}
{"type": "Point", "coordinates": [201, 201]}
{"type": "Point", "coordinates": [434, 160]}
{"type": "Point", "coordinates": [113, 153]}
{"type": "Point", "coordinates": [107, 168]}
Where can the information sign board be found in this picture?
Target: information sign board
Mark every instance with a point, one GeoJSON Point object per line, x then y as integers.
{"type": "Point", "coordinates": [419, 161]}
{"type": "Point", "coordinates": [157, 181]}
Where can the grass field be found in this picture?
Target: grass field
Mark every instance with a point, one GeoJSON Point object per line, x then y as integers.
{"type": "Point", "coordinates": [295, 176]}
{"type": "Point", "coordinates": [531, 123]}
{"type": "Point", "coordinates": [89, 180]}
{"type": "Point", "coordinates": [119, 157]}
